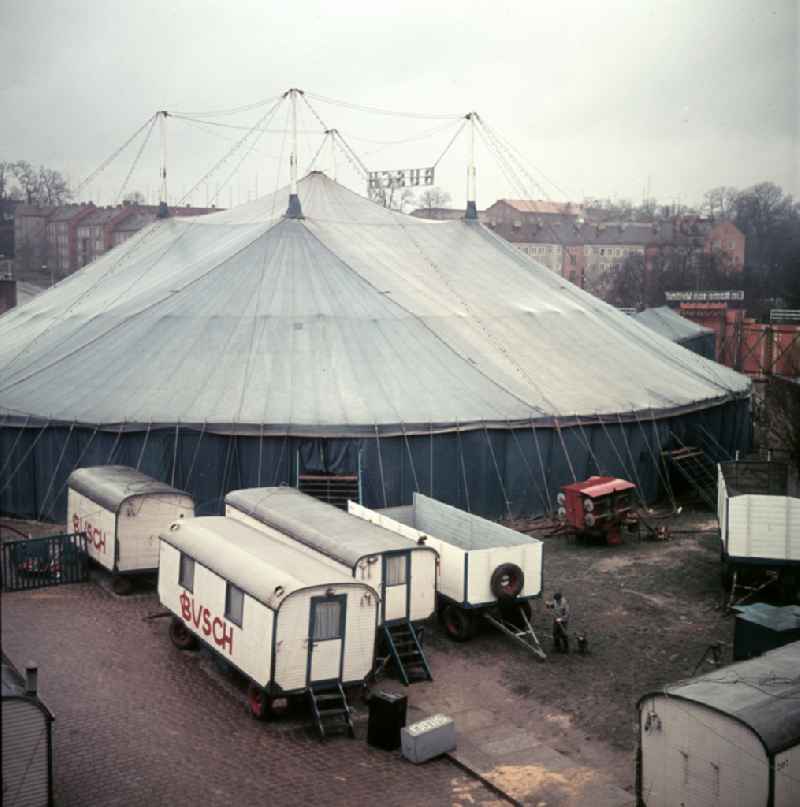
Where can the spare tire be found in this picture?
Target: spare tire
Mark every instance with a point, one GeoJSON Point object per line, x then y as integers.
{"type": "Point", "coordinates": [507, 581]}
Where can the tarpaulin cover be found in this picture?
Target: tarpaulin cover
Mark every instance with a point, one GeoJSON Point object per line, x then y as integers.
{"type": "Point", "coordinates": [678, 329]}
{"type": "Point", "coordinates": [317, 525]}
{"type": "Point", "coordinates": [243, 348]}
{"type": "Point", "coordinates": [351, 317]}
{"type": "Point", "coordinates": [112, 485]}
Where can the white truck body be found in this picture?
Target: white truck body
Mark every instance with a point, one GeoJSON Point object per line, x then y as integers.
{"type": "Point", "coordinates": [276, 645]}
{"type": "Point", "coordinates": [402, 571]}
{"type": "Point", "coordinates": [470, 548]}
{"type": "Point", "coordinates": [757, 523]}
{"type": "Point", "coordinates": [122, 512]}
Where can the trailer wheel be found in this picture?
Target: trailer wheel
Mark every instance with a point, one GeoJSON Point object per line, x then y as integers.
{"type": "Point", "coordinates": [263, 706]}
{"type": "Point", "coordinates": [726, 575]}
{"type": "Point", "coordinates": [181, 636]}
{"type": "Point", "coordinates": [458, 623]}
{"type": "Point", "coordinates": [507, 581]}
{"type": "Point", "coordinates": [121, 585]}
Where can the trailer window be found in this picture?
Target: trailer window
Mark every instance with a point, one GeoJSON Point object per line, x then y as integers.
{"type": "Point", "coordinates": [186, 573]}
{"type": "Point", "coordinates": [327, 621]}
{"type": "Point", "coordinates": [234, 604]}
{"type": "Point", "coordinates": [395, 570]}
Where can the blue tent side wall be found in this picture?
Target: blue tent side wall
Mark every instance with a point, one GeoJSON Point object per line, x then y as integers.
{"type": "Point", "coordinates": [491, 472]}
{"type": "Point", "coordinates": [704, 344]}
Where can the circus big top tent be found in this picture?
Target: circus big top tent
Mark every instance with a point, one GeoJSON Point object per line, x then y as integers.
{"type": "Point", "coordinates": [244, 347]}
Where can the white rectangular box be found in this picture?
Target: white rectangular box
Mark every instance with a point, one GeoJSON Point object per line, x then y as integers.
{"type": "Point", "coordinates": [428, 738]}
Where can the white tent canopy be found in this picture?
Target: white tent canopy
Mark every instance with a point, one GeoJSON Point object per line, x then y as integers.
{"type": "Point", "coordinates": [350, 317]}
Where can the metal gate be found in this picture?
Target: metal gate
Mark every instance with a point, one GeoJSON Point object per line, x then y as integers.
{"type": "Point", "coordinates": [39, 562]}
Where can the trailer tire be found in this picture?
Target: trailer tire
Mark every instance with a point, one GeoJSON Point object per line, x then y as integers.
{"type": "Point", "coordinates": [181, 636]}
{"type": "Point", "coordinates": [726, 575]}
{"type": "Point", "coordinates": [507, 581]}
{"type": "Point", "coordinates": [459, 625]}
{"type": "Point", "coordinates": [257, 701]}
{"type": "Point", "coordinates": [121, 585]}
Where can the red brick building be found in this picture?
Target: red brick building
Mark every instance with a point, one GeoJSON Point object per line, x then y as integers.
{"type": "Point", "coordinates": [61, 231]}
{"type": "Point", "coordinates": [95, 232]}
{"type": "Point", "coordinates": [53, 242]}
{"type": "Point", "coordinates": [563, 238]}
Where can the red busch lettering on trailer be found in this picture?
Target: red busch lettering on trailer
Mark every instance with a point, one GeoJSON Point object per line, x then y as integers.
{"type": "Point", "coordinates": [206, 623]}
{"type": "Point", "coordinates": [95, 536]}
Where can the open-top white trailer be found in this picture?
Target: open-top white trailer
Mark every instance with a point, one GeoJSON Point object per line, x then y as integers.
{"type": "Point", "coordinates": [403, 571]}
{"type": "Point", "coordinates": [759, 523]}
{"type": "Point", "coordinates": [122, 511]}
{"type": "Point", "coordinates": [485, 569]}
{"type": "Point", "coordinates": [289, 622]}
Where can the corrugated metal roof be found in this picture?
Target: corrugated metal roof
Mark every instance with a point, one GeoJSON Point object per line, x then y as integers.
{"type": "Point", "coordinates": [12, 684]}
{"type": "Point", "coordinates": [111, 485]}
{"type": "Point", "coordinates": [318, 525]}
{"type": "Point", "coordinates": [763, 693]}
{"type": "Point", "coordinates": [352, 317]}
{"type": "Point", "coordinates": [773, 617]}
{"type": "Point", "coordinates": [255, 561]}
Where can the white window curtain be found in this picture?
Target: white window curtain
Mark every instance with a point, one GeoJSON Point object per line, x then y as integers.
{"type": "Point", "coordinates": [327, 621]}
{"type": "Point", "coordinates": [395, 570]}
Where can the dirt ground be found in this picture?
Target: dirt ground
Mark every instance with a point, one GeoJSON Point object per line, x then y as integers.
{"type": "Point", "coordinates": [649, 610]}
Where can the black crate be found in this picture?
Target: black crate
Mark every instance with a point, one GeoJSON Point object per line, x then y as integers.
{"type": "Point", "coordinates": [387, 715]}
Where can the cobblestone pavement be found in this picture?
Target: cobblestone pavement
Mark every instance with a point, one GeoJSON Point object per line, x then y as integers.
{"type": "Point", "coordinates": [140, 723]}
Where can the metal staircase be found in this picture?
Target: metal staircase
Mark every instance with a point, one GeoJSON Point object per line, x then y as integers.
{"type": "Point", "coordinates": [404, 649]}
{"type": "Point", "coordinates": [330, 709]}
{"type": "Point", "coordinates": [333, 489]}
{"type": "Point", "coordinates": [694, 464]}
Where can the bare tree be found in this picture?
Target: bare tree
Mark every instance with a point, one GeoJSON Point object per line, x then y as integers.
{"type": "Point", "coordinates": [8, 190]}
{"type": "Point", "coordinates": [627, 286]}
{"type": "Point", "coordinates": [781, 417]}
{"type": "Point", "coordinates": [134, 198]}
{"type": "Point", "coordinates": [42, 186]}
{"type": "Point", "coordinates": [393, 197]}
{"type": "Point", "coordinates": [54, 188]}
{"type": "Point", "coordinates": [720, 203]}
{"type": "Point", "coordinates": [29, 182]}
{"type": "Point", "coordinates": [429, 198]}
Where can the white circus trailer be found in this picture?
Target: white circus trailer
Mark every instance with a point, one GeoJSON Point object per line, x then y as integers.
{"type": "Point", "coordinates": [484, 568]}
{"type": "Point", "coordinates": [729, 737]}
{"type": "Point", "coordinates": [403, 571]}
{"type": "Point", "coordinates": [759, 522]}
{"type": "Point", "coordinates": [290, 623]}
{"type": "Point", "coordinates": [122, 511]}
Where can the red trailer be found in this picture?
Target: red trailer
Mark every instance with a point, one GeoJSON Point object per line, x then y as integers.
{"type": "Point", "coordinates": [597, 506]}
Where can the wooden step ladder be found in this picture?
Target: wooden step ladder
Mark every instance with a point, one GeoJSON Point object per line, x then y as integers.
{"type": "Point", "coordinates": [405, 650]}
{"type": "Point", "coordinates": [330, 709]}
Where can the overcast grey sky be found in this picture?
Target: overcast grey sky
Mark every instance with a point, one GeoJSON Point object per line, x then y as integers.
{"type": "Point", "coordinates": [601, 97]}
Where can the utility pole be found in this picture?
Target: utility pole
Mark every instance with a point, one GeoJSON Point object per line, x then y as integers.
{"type": "Point", "coordinates": [163, 209]}
{"type": "Point", "coordinates": [294, 211]}
{"type": "Point", "coordinates": [472, 210]}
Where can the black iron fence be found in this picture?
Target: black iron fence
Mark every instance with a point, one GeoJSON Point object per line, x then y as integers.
{"type": "Point", "coordinates": [38, 562]}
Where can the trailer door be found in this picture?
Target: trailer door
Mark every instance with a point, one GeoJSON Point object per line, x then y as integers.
{"type": "Point", "coordinates": [394, 585]}
{"type": "Point", "coordinates": [326, 638]}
